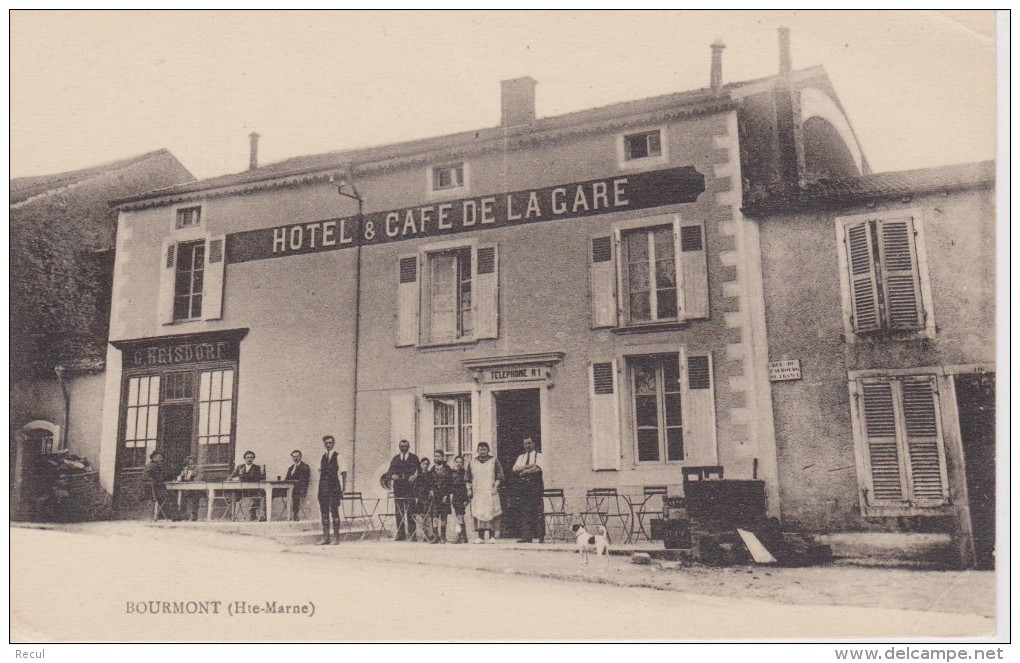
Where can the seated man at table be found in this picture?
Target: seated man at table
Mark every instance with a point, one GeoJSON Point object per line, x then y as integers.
{"type": "Point", "coordinates": [189, 498]}
{"type": "Point", "coordinates": [249, 472]}
{"type": "Point", "coordinates": [300, 474]}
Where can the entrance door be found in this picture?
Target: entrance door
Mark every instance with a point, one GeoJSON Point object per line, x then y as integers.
{"type": "Point", "coordinates": [518, 415]}
{"type": "Point", "coordinates": [975, 401]}
{"type": "Point", "coordinates": [176, 437]}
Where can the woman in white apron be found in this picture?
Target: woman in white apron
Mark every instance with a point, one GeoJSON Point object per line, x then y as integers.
{"type": "Point", "coordinates": [483, 478]}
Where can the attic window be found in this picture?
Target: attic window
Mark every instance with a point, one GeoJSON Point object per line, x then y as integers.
{"type": "Point", "coordinates": [448, 177]}
{"type": "Point", "coordinates": [642, 145]}
{"type": "Point", "coordinates": [189, 217]}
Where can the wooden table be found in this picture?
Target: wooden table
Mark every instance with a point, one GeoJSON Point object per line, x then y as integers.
{"type": "Point", "coordinates": [211, 487]}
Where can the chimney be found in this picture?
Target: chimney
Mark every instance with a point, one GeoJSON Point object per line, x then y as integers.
{"type": "Point", "coordinates": [784, 52]}
{"type": "Point", "coordinates": [716, 76]}
{"type": "Point", "coordinates": [253, 155]}
{"type": "Point", "coordinates": [518, 97]}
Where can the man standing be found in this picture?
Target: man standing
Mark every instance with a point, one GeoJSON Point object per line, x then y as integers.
{"type": "Point", "coordinates": [300, 474]}
{"type": "Point", "coordinates": [330, 490]}
{"type": "Point", "coordinates": [403, 470]}
{"type": "Point", "coordinates": [528, 468]}
{"type": "Point", "coordinates": [154, 483]}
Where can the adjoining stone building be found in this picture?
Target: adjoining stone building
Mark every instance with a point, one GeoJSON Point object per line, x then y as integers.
{"type": "Point", "coordinates": [590, 280]}
{"type": "Point", "coordinates": [62, 233]}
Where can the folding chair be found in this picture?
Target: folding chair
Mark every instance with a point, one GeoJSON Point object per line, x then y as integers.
{"type": "Point", "coordinates": [557, 520]}
{"type": "Point", "coordinates": [653, 506]}
{"type": "Point", "coordinates": [356, 511]}
{"type": "Point", "coordinates": [158, 507]}
{"type": "Point", "coordinates": [602, 507]}
{"type": "Point", "coordinates": [424, 530]}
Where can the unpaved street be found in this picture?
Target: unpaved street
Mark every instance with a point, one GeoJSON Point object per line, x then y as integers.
{"type": "Point", "coordinates": [77, 586]}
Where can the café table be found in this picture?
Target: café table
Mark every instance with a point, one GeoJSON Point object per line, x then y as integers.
{"type": "Point", "coordinates": [210, 488]}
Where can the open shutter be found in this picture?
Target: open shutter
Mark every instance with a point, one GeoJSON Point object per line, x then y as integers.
{"type": "Point", "coordinates": [697, 403]}
{"type": "Point", "coordinates": [928, 480]}
{"type": "Point", "coordinates": [407, 300]}
{"type": "Point", "coordinates": [212, 288]}
{"type": "Point", "coordinates": [602, 270]}
{"type": "Point", "coordinates": [486, 291]}
{"type": "Point", "coordinates": [884, 464]}
{"type": "Point", "coordinates": [403, 420]}
{"type": "Point", "coordinates": [605, 416]}
{"type": "Point", "coordinates": [900, 282]}
{"type": "Point", "coordinates": [863, 285]}
{"type": "Point", "coordinates": [167, 277]}
{"type": "Point", "coordinates": [694, 265]}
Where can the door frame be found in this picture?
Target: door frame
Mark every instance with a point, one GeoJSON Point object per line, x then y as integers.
{"type": "Point", "coordinates": [488, 417]}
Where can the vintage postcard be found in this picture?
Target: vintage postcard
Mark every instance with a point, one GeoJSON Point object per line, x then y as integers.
{"type": "Point", "coordinates": [524, 326]}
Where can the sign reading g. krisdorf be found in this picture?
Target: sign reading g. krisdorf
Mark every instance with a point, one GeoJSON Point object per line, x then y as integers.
{"type": "Point", "coordinates": [615, 194]}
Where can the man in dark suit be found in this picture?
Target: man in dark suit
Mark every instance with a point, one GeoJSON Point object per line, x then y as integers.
{"type": "Point", "coordinates": [300, 474]}
{"type": "Point", "coordinates": [403, 470]}
{"type": "Point", "coordinates": [330, 490]}
{"type": "Point", "coordinates": [154, 483]}
{"type": "Point", "coordinates": [249, 472]}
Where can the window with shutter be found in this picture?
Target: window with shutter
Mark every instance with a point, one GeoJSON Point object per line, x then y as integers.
{"type": "Point", "coordinates": [602, 282]}
{"type": "Point", "coordinates": [903, 451]}
{"type": "Point", "coordinates": [212, 306]}
{"type": "Point", "coordinates": [886, 282]}
{"type": "Point", "coordinates": [604, 416]}
{"type": "Point", "coordinates": [407, 300]}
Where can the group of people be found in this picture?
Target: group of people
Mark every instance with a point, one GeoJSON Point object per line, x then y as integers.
{"type": "Point", "coordinates": [425, 493]}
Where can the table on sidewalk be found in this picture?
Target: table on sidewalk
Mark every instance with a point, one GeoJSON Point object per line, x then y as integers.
{"type": "Point", "coordinates": [210, 488]}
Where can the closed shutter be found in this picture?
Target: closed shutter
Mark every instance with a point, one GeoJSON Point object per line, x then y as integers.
{"type": "Point", "coordinates": [167, 278]}
{"type": "Point", "coordinates": [605, 416]}
{"type": "Point", "coordinates": [694, 263]}
{"type": "Point", "coordinates": [900, 281]}
{"type": "Point", "coordinates": [215, 266]}
{"type": "Point", "coordinates": [403, 420]}
{"type": "Point", "coordinates": [697, 403]}
{"type": "Point", "coordinates": [882, 452]}
{"type": "Point", "coordinates": [486, 291]}
{"type": "Point", "coordinates": [602, 272]}
{"type": "Point", "coordinates": [863, 284]}
{"type": "Point", "coordinates": [928, 480]}
{"type": "Point", "coordinates": [407, 300]}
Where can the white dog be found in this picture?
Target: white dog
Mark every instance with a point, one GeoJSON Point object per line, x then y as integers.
{"type": "Point", "coordinates": [589, 544]}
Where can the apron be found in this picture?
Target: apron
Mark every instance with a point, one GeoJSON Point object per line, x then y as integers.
{"type": "Point", "coordinates": [485, 503]}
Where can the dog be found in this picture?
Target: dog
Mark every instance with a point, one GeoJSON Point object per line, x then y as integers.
{"type": "Point", "coordinates": [590, 544]}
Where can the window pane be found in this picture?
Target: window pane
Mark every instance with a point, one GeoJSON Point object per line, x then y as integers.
{"type": "Point", "coordinates": [646, 411]}
{"type": "Point", "coordinates": [228, 384]}
{"type": "Point", "coordinates": [129, 426]}
{"type": "Point", "coordinates": [636, 245]}
{"type": "Point", "coordinates": [640, 306]}
{"type": "Point", "coordinates": [199, 261]}
{"type": "Point", "coordinates": [672, 409]}
{"type": "Point", "coordinates": [181, 306]}
{"type": "Point", "coordinates": [203, 386]}
{"type": "Point", "coordinates": [217, 384]}
{"type": "Point", "coordinates": [196, 306]}
{"type": "Point", "coordinates": [663, 238]}
{"type": "Point", "coordinates": [153, 415]}
{"type": "Point", "coordinates": [671, 373]}
{"type": "Point", "coordinates": [665, 273]}
{"type": "Point", "coordinates": [674, 444]}
{"type": "Point", "coordinates": [654, 144]}
{"type": "Point", "coordinates": [225, 412]}
{"type": "Point", "coordinates": [648, 444]}
{"type": "Point", "coordinates": [666, 300]}
{"type": "Point", "coordinates": [197, 281]}
{"type": "Point", "coordinates": [203, 418]}
{"type": "Point", "coordinates": [214, 419]}
{"type": "Point", "coordinates": [638, 277]}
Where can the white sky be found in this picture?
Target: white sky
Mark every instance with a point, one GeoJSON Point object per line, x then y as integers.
{"type": "Point", "coordinates": [89, 87]}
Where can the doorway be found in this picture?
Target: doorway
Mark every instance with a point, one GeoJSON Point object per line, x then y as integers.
{"type": "Point", "coordinates": [975, 402]}
{"type": "Point", "coordinates": [176, 438]}
{"type": "Point", "coordinates": [518, 415]}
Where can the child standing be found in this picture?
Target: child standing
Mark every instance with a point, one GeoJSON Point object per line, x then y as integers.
{"type": "Point", "coordinates": [459, 496]}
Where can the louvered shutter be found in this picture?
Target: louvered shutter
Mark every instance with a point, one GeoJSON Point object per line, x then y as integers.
{"type": "Point", "coordinates": [167, 278]}
{"type": "Point", "coordinates": [900, 280]}
{"type": "Point", "coordinates": [215, 268]}
{"type": "Point", "coordinates": [605, 416]}
{"type": "Point", "coordinates": [407, 300]}
{"type": "Point", "coordinates": [486, 291]}
{"type": "Point", "coordinates": [884, 462]}
{"type": "Point", "coordinates": [928, 480]}
{"type": "Point", "coordinates": [602, 273]}
{"type": "Point", "coordinates": [694, 264]}
{"type": "Point", "coordinates": [697, 403]}
{"type": "Point", "coordinates": [863, 284]}
{"type": "Point", "coordinates": [403, 420]}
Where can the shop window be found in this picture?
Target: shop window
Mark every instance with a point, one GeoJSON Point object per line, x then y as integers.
{"type": "Point", "coordinates": [670, 410]}
{"type": "Point", "coordinates": [452, 425]}
{"type": "Point", "coordinates": [141, 420]}
{"type": "Point", "coordinates": [191, 280]}
{"type": "Point", "coordinates": [885, 282]}
{"type": "Point", "coordinates": [900, 451]}
{"type": "Point", "coordinates": [215, 415]}
{"type": "Point", "coordinates": [189, 217]}
{"type": "Point", "coordinates": [642, 145]}
{"type": "Point", "coordinates": [648, 273]}
{"type": "Point", "coordinates": [447, 295]}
